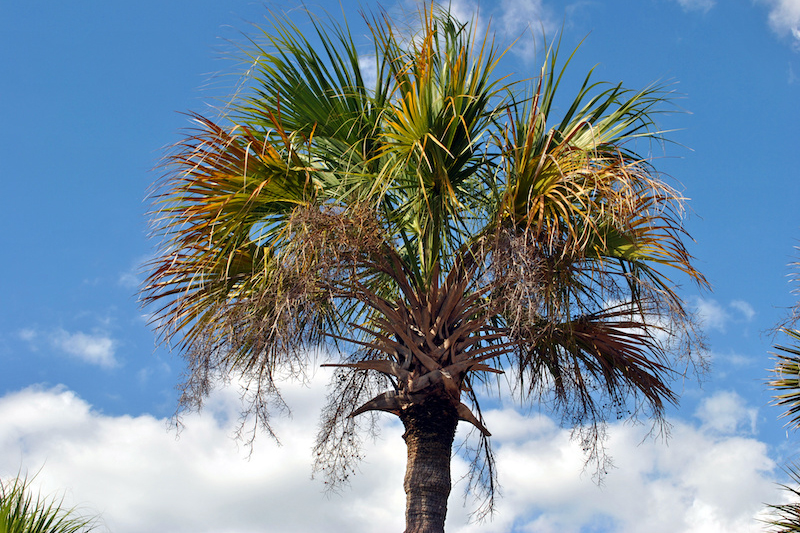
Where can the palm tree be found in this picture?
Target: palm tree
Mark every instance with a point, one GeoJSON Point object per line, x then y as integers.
{"type": "Point", "coordinates": [785, 383]}
{"type": "Point", "coordinates": [430, 221]}
{"type": "Point", "coordinates": [21, 513]}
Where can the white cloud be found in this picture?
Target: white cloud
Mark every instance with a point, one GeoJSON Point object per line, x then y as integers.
{"type": "Point", "coordinates": [467, 11]}
{"type": "Point", "coordinates": [697, 5]}
{"type": "Point", "coordinates": [784, 18]}
{"type": "Point", "coordinates": [726, 412]}
{"type": "Point", "coordinates": [369, 70]}
{"type": "Point", "coordinates": [521, 22]}
{"type": "Point", "coordinates": [143, 479]}
{"type": "Point", "coordinates": [744, 308]}
{"type": "Point", "coordinates": [516, 21]}
{"type": "Point", "coordinates": [714, 315]}
{"type": "Point", "coordinates": [96, 349]}
{"type": "Point", "coordinates": [725, 362]}
{"type": "Point", "coordinates": [525, 20]}
{"type": "Point", "coordinates": [700, 481]}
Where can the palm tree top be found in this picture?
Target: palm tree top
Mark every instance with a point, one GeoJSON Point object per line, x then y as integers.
{"type": "Point", "coordinates": [431, 219]}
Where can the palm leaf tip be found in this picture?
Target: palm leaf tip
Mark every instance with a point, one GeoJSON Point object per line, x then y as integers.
{"type": "Point", "coordinates": [23, 511]}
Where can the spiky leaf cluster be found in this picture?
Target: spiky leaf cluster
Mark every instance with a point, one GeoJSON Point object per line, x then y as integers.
{"type": "Point", "coordinates": [23, 511]}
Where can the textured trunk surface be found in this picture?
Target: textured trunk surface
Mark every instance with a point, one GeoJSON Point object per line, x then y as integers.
{"type": "Point", "coordinates": [430, 429]}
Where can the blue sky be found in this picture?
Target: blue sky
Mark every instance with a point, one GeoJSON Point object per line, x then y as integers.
{"type": "Point", "coordinates": [91, 92]}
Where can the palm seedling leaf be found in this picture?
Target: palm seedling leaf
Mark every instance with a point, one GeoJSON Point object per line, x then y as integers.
{"type": "Point", "coordinates": [22, 511]}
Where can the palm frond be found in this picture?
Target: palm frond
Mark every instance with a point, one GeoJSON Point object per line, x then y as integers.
{"type": "Point", "coordinates": [785, 382]}
{"type": "Point", "coordinates": [785, 517]}
{"type": "Point", "coordinates": [22, 511]}
{"type": "Point", "coordinates": [442, 106]}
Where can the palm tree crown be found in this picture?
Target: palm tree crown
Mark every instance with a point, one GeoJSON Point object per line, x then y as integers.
{"type": "Point", "coordinates": [434, 222]}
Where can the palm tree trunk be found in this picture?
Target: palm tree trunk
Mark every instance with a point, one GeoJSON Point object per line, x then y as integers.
{"type": "Point", "coordinates": [430, 429]}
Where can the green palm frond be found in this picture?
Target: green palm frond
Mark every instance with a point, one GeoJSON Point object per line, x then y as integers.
{"type": "Point", "coordinates": [436, 124]}
{"type": "Point", "coordinates": [785, 382]}
{"type": "Point", "coordinates": [586, 221]}
{"type": "Point", "coordinates": [23, 512]}
{"type": "Point", "coordinates": [785, 518]}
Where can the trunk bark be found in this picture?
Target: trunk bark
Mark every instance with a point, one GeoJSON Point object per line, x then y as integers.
{"type": "Point", "coordinates": [430, 429]}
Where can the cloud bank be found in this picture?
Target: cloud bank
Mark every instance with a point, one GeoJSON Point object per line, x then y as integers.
{"type": "Point", "coordinates": [711, 476]}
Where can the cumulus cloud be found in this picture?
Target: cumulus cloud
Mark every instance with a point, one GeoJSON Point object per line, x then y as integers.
{"type": "Point", "coordinates": [140, 477]}
{"type": "Point", "coordinates": [727, 412]}
{"type": "Point", "coordinates": [784, 18]}
{"type": "Point", "coordinates": [709, 477]}
{"type": "Point", "coordinates": [701, 480]}
{"type": "Point", "coordinates": [697, 5]}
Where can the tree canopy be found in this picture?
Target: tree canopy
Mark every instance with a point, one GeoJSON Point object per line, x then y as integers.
{"type": "Point", "coordinates": [431, 224]}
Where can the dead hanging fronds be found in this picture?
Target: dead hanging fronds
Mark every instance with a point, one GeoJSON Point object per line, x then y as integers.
{"type": "Point", "coordinates": [338, 447]}
{"type": "Point", "coordinates": [283, 308]}
{"type": "Point", "coordinates": [599, 332]}
{"type": "Point", "coordinates": [338, 242]}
